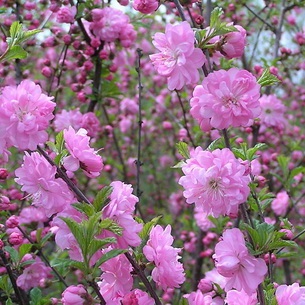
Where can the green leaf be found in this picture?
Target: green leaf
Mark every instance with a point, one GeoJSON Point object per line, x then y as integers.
{"type": "Point", "coordinates": [14, 255]}
{"type": "Point", "coordinates": [15, 29]}
{"type": "Point", "coordinates": [15, 52]}
{"type": "Point", "coordinates": [267, 79]}
{"type": "Point", "coordinates": [179, 164]}
{"type": "Point", "coordinates": [36, 296]}
{"type": "Point", "coordinates": [218, 143]}
{"type": "Point", "coordinates": [23, 36]}
{"type": "Point", "coordinates": [59, 141]}
{"type": "Point", "coordinates": [183, 150]}
{"type": "Point", "coordinates": [76, 230]}
{"type": "Point", "coordinates": [215, 17]}
{"type": "Point", "coordinates": [45, 239]}
{"type": "Point", "coordinates": [9, 302]}
{"type": "Point", "coordinates": [79, 265]}
{"type": "Point", "coordinates": [148, 226]}
{"type": "Point", "coordinates": [183, 301]}
{"type": "Point", "coordinates": [98, 244]}
{"type": "Point", "coordinates": [84, 208]}
{"type": "Point", "coordinates": [109, 255]}
{"type": "Point", "coordinates": [24, 249]}
{"type": "Point", "coordinates": [101, 199]}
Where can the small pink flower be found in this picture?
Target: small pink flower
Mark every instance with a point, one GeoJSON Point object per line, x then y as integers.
{"type": "Point", "coordinates": [235, 42]}
{"type": "Point", "coordinates": [137, 296]}
{"type": "Point", "coordinates": [280, 204]}
{"type": "Point", "coordinates": [76, 295]}
{"type": "Point", "coordinates": [233, 261]}
{"type": "Point", "coordinates": [33, 274]}
{"type": "Point", "coordinates": [178, 59]}
{"type": "Point", "coordinates": [15, 239]}
{"type": "Point", "coordinates": [235, 297]}
{"type": "Point", "coordinates": [66, 14]}
{"type": "Point", "coordinates": [116, 280]}
{"type": "Point", "coordinates": [290, 295]}
{"type": "Point", "coordinates": [225, 99]}
{"type": "Point", "coordinates": [82, 155]}
{"type": "Point", "coordinates": [121, 208]}
{"type": "Point", "coordinates": [215, 181]}
{"type": "Point", "coordinates": [168, 272]}
{"type": "Point", "coordinates": [273, 111]}
{"type": "Point", "coordinates": [25, 114]}
{"type": "Point", "coordinates": [146, 6]}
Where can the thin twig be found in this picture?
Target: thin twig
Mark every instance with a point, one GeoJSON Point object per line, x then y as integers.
{"type": "Point", "coordinates": [180, 9]}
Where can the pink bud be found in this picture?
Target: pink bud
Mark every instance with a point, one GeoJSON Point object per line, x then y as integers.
{"type": "Point", "coordinates": [3, 173]}
{"type": "Point", "coordinates": [15, 239]}
{"type": "Point", "coordinates": [12, 222]}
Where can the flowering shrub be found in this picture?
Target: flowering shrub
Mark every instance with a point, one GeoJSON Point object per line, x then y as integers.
{"type": "Point", "coordinates": [113, 123]}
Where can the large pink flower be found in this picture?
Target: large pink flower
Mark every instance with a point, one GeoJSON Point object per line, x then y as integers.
{"type": "Point", "coordinates": [168, 273]}
{"type": "Point", "coordinates": [178, 59]}
{"type": "Point", "coordinates": [235, 297]}
{"type": "Point", "coordinates": [225, 99]}
{"type": "Point", "coordinates": [82, 155]}
{"type": "Point", "coordinates": [233, 261]}
{"type": "Point", "coordinates": [216, 181]}
{"type": "Point", "coordinates": [25, 114]}
{"type": "Point", "coordinates": [290, 295]}
{"type": "Point", "coordinates": [37, 177]}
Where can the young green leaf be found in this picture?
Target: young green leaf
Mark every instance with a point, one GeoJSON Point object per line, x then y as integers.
{"type": "Point", "coordinates": [183, 150]}
{"type": "Point", "coordinates": [101, 199]}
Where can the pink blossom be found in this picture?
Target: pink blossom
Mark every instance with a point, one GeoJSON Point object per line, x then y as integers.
{"type": "Point", "coordinates": [146, 6]}
{"type": "Point", "coordinates": [66, 14]}
{"type": "Point", "coordinates": [198, 298]}
{"type": "Point", "coordinates": [273, 111]}
{"type": "Point", "coordinates": [15, 239]}
{"type": "Point", "coordinates": [82, 155]}
{"type": "Point", "coordinates": [280, 204]}
{"type": "Point", "coordinates": [116, 280]}
{"type": "Point", "coordinates": [65, 119]}
{"type": "Point", "coordinates": [47, 191]}
{"type": "Point", "coordinates": [168, 272]}
{"type": "Point", "coordinates": [235, 42]}
{"type": "Point", "coordinates": [225, 99]}
{"type": "Point", "coordinates": [91, 123]}
{"type": "Point", "coordinates": [139, 297]}
{"type": "Point", "coordinates": [109, 24]}
{"type": "Point", "coordinates": [76, 295]}
{"type": "Point", "coordinates": [178, 59]}
{"type": "Point", "coordinates": [121, 208]}
{"type": "Point", "coordinates": [233, 261]}
{"type": "Point", "coordinates": [235, 297]}
{"type": "Point", "coordinates": [290, 295]}
{"type": "Point", "coordinates": [25, 113]}
{"type": "Point", "coordinates": [215, 181]}
{"type": "Point", "coordinates": [33, 274]}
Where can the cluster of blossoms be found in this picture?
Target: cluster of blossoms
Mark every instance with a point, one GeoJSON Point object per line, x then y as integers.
{"type": "Point", "coordinates": [225, 99]}
{"type": "Point", "coordinates": [25, 114]}
{"type": "Point", "coordinates": [216, 181]}
{"type": "Point", "coordinates": [178, 59]}
{"type": "Point", "coordinates": [109, 24]}
{"type": "Point", "coordinates": [168, 272]}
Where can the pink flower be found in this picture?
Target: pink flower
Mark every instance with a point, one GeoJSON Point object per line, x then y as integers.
{"type": "Point", "coordinates": [235, 42]}
{"type": "Point", "coordinates": [273, 111]}
{"type": "Point", "coordinates": [47, 191]}
{"type": "Point", "coordinates": [82, 155]}
{"type": "Point", "coordinates": [235, 297]}
{"type": "Point", "coordinates": [137, 296]}
{"type": "Point", "coordinates": [280, 204]}
{"type": "Point", "coordinates": [116, 280]}
{"type": "Point", "coordinates": [146, 6]}
{"type": "Point", "coordinates": [233, 261]}
{"type": "Point", "coordinates": [66, 14]}
{"type": "Point", "coordinates": [33, 274]}
{"type": "Point", "coordinates": [226, 98]}
{"type": "Point", "coordinates": [76, 295]}
{"type": "Point", "coordinates": [25, 114]}
{"type": "Point", "coordinates": [178, 59]}
{"type": "Point", "coordinates": [168, 272]}
{"type": "Point", "coordinates": [121, 208]}
{"type": "Point", "coordinates": [109, 24]}
{"type": "Point", "coordinates": [290, 295]}
{"type": "Point", "coordinates": [65, 119]}
{"type": "Point", "coordinates": [215, 181]}
{"type": "Point", "coordinates": [198, 298]}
